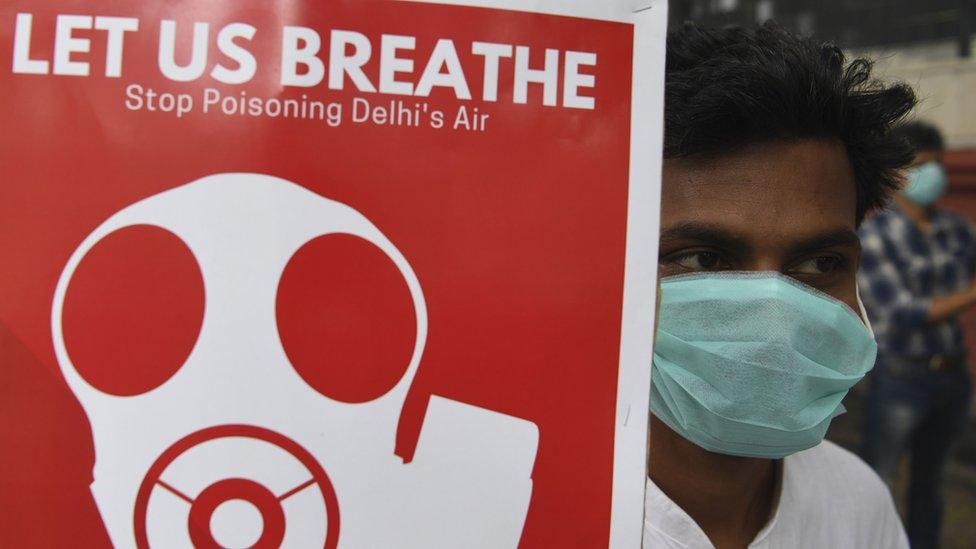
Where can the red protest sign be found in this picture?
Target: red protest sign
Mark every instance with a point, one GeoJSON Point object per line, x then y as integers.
{"type": "Point", "coordinates": [350, 273]}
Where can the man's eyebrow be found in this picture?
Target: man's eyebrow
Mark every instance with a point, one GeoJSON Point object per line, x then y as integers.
{"type": "Point", "coordinates": [827, 239]}
{"type": "Point", "coordinates": [706, 232]}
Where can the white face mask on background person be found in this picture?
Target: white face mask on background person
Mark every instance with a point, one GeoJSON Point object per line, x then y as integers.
{"type": "Point", "coordinates": [925, 183]}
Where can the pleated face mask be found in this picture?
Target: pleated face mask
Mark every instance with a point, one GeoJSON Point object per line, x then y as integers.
{"type": "Point", "coordinates": [754, 363]}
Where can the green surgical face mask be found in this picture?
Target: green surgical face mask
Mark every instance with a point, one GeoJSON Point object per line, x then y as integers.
{"type": "Point", "coordinates": [754, 363]}
{"type": "Point", "coordinates": [925, 183]}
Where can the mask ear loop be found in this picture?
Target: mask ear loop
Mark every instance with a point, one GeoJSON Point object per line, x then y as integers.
{"type": "Point", "coordinates": [864, 313]}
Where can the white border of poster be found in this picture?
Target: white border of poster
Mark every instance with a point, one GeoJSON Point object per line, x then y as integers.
{"type": "Point", "coordinates": [650, 19]}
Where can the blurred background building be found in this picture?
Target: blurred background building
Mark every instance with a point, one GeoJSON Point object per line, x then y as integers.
{"type": "Point", "coordinates": [930, 45]}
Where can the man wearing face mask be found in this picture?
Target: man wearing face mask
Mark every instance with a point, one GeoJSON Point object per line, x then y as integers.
{"type": "Point", "coordinates": [775, 149]}
{"type": "Point", "coordinates": [917, 268]}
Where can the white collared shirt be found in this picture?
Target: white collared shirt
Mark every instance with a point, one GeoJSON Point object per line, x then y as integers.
{"type": "Point", "coordinates": [827, 497]}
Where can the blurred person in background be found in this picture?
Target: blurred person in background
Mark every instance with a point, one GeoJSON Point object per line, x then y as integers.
{"type": "Point", "coordinates": [916, 277]}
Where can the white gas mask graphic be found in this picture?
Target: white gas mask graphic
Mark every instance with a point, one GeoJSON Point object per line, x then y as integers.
{"type": "Point", "coordinates": [238, 449]}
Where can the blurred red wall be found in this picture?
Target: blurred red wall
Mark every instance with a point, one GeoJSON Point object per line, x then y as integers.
{"type": "Point", "coordinates": [961, 166]}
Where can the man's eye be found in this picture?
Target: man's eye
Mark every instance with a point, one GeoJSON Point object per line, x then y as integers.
{"type": "Point", "coordinates": [699, 261]}
{"type": "Point", "coordinates": [819, 265]}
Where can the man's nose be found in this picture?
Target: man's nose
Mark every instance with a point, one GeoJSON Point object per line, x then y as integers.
{"type": "Point", "coordinates": [764, 263]}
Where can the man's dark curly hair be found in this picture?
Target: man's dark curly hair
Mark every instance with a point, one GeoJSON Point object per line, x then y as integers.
{"type": "Point", "coordinates": [733, 87]}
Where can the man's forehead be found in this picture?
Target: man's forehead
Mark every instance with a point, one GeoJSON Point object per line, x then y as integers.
{"type": "Point", "coordinates": [806, 187]}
